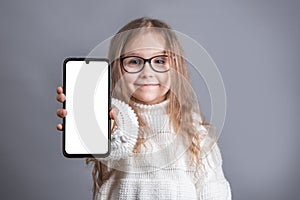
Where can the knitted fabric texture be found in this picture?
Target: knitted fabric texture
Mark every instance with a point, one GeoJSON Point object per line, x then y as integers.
{"type": "Point", "coordinates": [162, 169]}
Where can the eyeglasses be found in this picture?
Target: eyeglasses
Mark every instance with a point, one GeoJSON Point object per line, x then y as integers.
{"type": "Point", "coordinates": [135, 64]}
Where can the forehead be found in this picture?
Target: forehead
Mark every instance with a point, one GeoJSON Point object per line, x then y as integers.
{"type": "Point", "coordinates": [145, 42]}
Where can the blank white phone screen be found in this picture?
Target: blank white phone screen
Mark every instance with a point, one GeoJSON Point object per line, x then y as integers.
{"type": "Point", "coordinates": [87, 105]}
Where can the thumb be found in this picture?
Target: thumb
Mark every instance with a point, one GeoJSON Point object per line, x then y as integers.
{"type": "Point", "coordinates": [113, 116]}
{"type": "Point", "coordinates": [113, 113]}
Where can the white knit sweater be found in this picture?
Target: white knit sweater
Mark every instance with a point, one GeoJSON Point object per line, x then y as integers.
{"type": "Point", "coordinates": [162, 170]}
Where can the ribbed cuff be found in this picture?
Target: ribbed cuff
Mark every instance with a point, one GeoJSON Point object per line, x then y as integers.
{"type": "Point", "coordinates": [124, 137]}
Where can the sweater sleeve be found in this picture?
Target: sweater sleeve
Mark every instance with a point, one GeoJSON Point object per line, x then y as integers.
{"type": "Point", "coordinates": [212, 184]}
{"type": "Point", "coordinates": [124, 137]}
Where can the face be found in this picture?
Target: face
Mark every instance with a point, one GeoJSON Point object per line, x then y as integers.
{"type": "Point", "coordinates": [147, 86]}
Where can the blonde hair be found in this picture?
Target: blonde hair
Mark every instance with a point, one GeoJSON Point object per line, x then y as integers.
{"type": "Point", "coordinates": [182, 104]}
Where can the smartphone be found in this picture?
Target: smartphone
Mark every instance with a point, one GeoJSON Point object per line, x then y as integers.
{"type": "Point", "coordinates": [86, 131]}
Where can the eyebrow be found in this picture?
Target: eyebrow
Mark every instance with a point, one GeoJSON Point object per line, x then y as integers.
{"type": "Point", "coordinates": [138, 54]}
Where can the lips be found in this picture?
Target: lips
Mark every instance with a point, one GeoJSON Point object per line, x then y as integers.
{"type": "Point", "coordinates": [146, 84]}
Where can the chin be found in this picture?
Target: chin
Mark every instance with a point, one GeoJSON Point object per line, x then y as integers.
{"type": "Point", "coordinates": [148, 100]}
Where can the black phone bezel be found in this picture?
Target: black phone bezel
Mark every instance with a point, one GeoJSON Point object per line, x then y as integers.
{"type": "Point", "coordinates": [86, 59]}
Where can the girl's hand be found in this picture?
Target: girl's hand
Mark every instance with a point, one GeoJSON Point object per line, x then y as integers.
{"type": "Point", "coordinates": [60, 97]}
{"type": "Point", "coordinates": [113, 114]}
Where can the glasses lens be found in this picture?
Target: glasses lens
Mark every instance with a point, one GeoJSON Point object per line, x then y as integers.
{"type": "Point", "coordinates": [160, 63]}
{"type": "Point", "coordinates": [133, 64]}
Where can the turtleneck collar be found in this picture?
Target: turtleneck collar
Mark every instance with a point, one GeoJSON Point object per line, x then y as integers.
{"type": "Point", "coordinates": [147, 107]}
{"type": "Point", "coordinates": [155, 115]}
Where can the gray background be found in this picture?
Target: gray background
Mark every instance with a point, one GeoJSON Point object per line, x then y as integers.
{"type": "Point", "coordinates": [254, 43]}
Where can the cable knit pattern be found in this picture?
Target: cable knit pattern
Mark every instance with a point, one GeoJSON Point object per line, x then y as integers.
{"type": "Point", "coordinates": [162, 170]}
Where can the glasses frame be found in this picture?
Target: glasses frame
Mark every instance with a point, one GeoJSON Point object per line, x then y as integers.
{"type": "Point", "coordinates": [145, 60]}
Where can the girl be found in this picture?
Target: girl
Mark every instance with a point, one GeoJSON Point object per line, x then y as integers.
{"type": "Point", "coordinates": [173, 156]}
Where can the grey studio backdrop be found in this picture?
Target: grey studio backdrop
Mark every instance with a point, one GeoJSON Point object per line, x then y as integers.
{"type": "Point", "coordinates": [255, 45]}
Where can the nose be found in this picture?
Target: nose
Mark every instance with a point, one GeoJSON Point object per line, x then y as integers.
{"type": "Point", "coordinates": [147, 71]}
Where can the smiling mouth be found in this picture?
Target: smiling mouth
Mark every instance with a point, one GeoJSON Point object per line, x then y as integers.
{"type": "Point", "coordinates": [147, 85]}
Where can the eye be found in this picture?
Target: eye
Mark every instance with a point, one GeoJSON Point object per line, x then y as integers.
{"type": "Point", "coordinates": [132, 61]}
{"type": "Point", "coordinates": [160, 60]}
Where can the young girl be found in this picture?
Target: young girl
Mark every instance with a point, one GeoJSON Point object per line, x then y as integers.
{"type": "Point", "coordinates": [173, 155]}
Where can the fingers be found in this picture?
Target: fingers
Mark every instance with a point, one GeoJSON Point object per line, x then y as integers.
{"type": "Point", "coordinates": [61, 97]}
{"type": "Point", "coordinates": [59, 127]}
{"type": "Point", "coordinates": [59, 90]}
{"type": "Point", "coordinates": [61, 112]}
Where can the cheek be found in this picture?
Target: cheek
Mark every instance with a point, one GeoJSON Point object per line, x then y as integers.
{"type": "Point", "coordinates": [129, 80]}
{"type": "Point", "coordinates": [165, 81]}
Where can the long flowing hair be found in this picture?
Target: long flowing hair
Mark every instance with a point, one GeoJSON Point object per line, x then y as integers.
{"type": "Point", "coordinates": [182, 107]}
